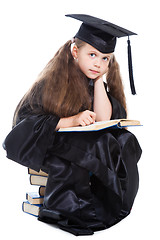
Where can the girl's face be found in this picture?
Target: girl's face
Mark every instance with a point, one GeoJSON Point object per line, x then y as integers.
{"type": "Point", "coordinates": [92, 63]}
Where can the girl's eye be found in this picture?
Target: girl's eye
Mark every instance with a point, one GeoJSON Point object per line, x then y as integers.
{"type": "Point", "coordinates": [92, 55]}
{"type": "Point", "coordinates": [105, 59]}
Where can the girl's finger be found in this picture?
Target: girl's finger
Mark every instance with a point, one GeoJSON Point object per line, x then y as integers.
{"type": "Point", "coordinates": [93, 115]}
{"type": "Point", "coordinates": [82, 123]}
{"type": "Point", "coordinates": [87, 121]}
{"type": "Point", "coordinates": [90, 119]}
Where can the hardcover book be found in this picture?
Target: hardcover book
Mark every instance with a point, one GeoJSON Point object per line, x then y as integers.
{"type": "Point", "coordinates": [34, 198]}
{"type": "Point", "coordinates": [33, 172]}
{"type": "Point", "coordinates": [38, 180]}
{"type": "Point", "coordinates": [31, 208]}
{"type": "Point", "coordinates": [119, 123]}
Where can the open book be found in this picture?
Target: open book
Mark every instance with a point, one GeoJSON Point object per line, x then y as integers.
{"type": "Point", "coordinates": [120, 123]}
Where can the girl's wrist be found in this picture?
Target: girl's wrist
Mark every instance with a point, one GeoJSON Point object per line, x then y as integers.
{"type": "Point", "coordinates": [65, 122]}
{"type": "Point", "coordinates": [99, 79]}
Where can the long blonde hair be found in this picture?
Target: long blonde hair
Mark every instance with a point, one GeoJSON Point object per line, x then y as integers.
{"type": "Point", "coordinates": [62, 89]}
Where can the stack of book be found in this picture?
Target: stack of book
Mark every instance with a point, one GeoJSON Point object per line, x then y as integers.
{"type": "Point", "coordinates": [34, 200]}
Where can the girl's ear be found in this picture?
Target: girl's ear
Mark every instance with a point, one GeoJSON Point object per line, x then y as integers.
{"type": "Point", "coordinates": [75, 52]}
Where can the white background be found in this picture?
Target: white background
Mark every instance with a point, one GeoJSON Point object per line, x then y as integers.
{"type": "Point", "coordinates": [31, 32]}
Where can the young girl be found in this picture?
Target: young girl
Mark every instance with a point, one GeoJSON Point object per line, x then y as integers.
{"type": "Point", "coordinates": [93, 176]}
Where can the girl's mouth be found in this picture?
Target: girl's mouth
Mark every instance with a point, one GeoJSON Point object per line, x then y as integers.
{"type": "Point", "coordinates": [93, 71]}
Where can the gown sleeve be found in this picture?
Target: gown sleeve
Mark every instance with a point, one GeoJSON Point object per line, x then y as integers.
{"type": "Point", "coordinates": [118, 110]}
{"type": "Point", "coordinates": [29, 140]}
{"type": "Point", "coordinates": [34, 134]}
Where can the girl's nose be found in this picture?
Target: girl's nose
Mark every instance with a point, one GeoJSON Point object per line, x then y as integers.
{"type": "Point", "coordinates": [97, 63]}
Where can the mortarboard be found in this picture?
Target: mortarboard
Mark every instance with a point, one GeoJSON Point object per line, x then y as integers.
{"type": "Point", "coordinates": [102, 35]}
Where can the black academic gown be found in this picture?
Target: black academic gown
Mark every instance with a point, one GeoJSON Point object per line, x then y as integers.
{"type": "Point", "coordinates": [92, 177]}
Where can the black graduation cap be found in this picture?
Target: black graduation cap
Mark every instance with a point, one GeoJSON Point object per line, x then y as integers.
{"type": "Point", "coordinates": [103, 35]}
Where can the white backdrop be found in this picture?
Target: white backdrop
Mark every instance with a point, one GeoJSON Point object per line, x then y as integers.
{"type": "Point", "coordinates": [31, 32]}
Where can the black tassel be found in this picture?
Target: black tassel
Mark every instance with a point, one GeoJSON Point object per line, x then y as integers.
{"type": "Point", "coordinates": [130, 68]}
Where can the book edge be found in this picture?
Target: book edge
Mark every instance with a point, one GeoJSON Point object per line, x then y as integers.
{"type": "Point", "coordinates": [37, 205]}
{"type": "Point", "coordinates": [37, 176]}
{"type": "Point", "coordinates": [29, 194]}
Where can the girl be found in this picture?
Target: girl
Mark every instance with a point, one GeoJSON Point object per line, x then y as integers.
{"type": "Point", "coordinates": [92, 177]}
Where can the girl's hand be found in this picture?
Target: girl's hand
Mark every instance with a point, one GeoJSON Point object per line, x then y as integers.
{"type": "Point", "coordinates": [84, 118]}
{"type": "Point", "coordinates": [100, 78]}
{"type": "Point", "coordinates": [81, 119]}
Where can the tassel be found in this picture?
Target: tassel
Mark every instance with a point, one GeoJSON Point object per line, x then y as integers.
{"type": "Point", "coordinates": [130, 68]}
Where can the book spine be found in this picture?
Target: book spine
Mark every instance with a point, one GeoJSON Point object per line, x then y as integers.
{"type": "Point", "coordinates": [27, 196]}
{"type": "Point", "coordinates": [23, 206]}
{"type": "Point", "coordinates": [42, 190]}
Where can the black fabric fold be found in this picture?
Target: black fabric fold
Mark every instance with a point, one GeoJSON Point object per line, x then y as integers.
{"type": "Point", "coordinates": [33, 132]}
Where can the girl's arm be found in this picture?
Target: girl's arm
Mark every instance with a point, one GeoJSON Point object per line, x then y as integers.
{"type": "Point", "coordinates": [81, 119]}
{"type": "Point", "coordinates": [102, 106]}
